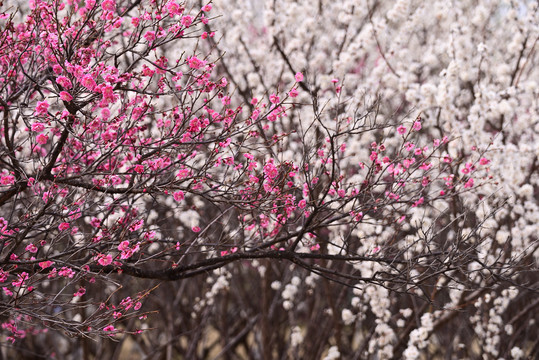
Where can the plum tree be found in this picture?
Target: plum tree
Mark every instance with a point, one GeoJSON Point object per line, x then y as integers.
{"type": "Point", "coordinates": [173, 182]}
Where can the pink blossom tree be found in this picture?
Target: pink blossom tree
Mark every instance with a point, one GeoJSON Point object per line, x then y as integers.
{"type": "Point", "coordinates": [157, 191]}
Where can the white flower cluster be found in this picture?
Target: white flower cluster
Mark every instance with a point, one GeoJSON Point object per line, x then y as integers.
{"type": "Point", "coordinates": [347, 316]}
{"type": "Point", "coordinates": [333, 353]}
{"type": "Point", "coordinates": [419, 337]}
{"type": "Point", "coordinates": [289, 292]}
{"type": "Point", "coordinates": [218, 284]}
{"type": "Point", "coordinates": [296, 337]}
{"type": "Point", "coordinates": [490, 328]}
{"type": "Point", "coordinates": [384, 336]}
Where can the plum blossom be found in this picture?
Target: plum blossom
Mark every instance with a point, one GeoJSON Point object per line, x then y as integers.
{"type": "Point", "coordinates": [41, 108]}
{"type": "Point", "coordinates": [64, 82]}
{"type": "Point", "coordinates": [88, 82]}
{"type": "Point", "coordinates": [65, 96]}
{"type": "Point", "coordinates": [150, 36]}
{"type": "Point", "coordinates": [81, 291]}
{"type": "Point", "coordinates": [124, 245]}
{"type": "Point", "coordinates": [108, 5]}
{"type": "Point", "coordinates": [31, 248]}
{"type": "Point", "coordinates": [45, 264]}
{"type": "Point", "coordinates": [103, 259]}
{"type": "Point", "coordinates": [109, 328]}
{"type": "Point", "coordinates": [179, 195]}
{"type": "Point", "coordinates": [186, 20]}
{"type": "Point", "coordinates": [38, 127]}
{"type": "Point", "coordinates": [195, 63]}
{"type": "Point", "coordinates": [63, 226]}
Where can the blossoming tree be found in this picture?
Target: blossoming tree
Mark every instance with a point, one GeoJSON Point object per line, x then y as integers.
{"type": "Point", "coordinates": [174, 185]}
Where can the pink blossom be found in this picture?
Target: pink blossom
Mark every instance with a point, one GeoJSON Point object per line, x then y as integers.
{"type": "Point", "coordinates": [138, 305]}
{"type": "Point", "coordinates": [173, 8]}
{"type": "Point", "coordinates": [80, 292]}
{"type": "Point", "coordinates": [392, 195]}
{"type": "Point", "coordinates": [302, 204]}
{"type": "Point", "coordinates": [66, 272]}
{"type": "Point", "coordinates": [109, 328]}
{"type": "Point", "coordinates": [57, 69]}
{"type": "Point", "coordinates": [21, 279]}
{"type": "Point", "coordinates": [298, 77]}
{"type": "Point", "coordinates": [45, 264]}
{"type": "Point", "coordinates": [206, 8]}
{"type": "Point", "coordinates": [64, 82]}
{"type": "Point", "coordinates": [150, 36]}
{"type": "Point", "coordinates": [7, 180]}
{"type": "Point", "coordinates": [42, 139]}
{"type": "Point", "coordinates": [38, 127]}
{"type": "Point", "coordinates": [468, 167]}
{"type": "Point", "coordinates": [124, 245]}
{"type": "Point", "coordinates": [136, 225]}
{"type": "Point", "coordinates": [65, 96]}
{"type": "Point", "coordinates": [293, 93]}
{"type": "Point", "coordinates": [416, 126]}
{"type": "Point", "coordinates": [63, 226]}
{"type": "Point", "coordinates": [31, 248]}
{"type": "Point", "coordinates": [179, 195]}
{"type": "Point", "coordinates": [195, 229]}
{"type": "Point", "coordinates": [95, 222]}
{"type": "Point", "coordinates": [484, 161]}
{"type": "Point", "coordinates": [469, 183]}
{"type": "Point", "coordinates": [105, 113]}
{"type": "Point", "coordinates": [195, 63]}
{"type": "Point", "coordinates": [108, 5]}
{"type": "Point", "coordinates": [401, 130]}
{"type": "Point", "coordinates": [418, 202]}
{"type": "Point", "coordinates": [41, 108]}
{"type": "Point", "coordinates": [186, 20]}
{"type": "Point", "coordinates": [270, 170]}
{"type": "Point", "coordinates": [103, 259]}
{"type": "Point", "coordinates": [88, 82]}
{"type": "Point", "coordinates": [274, 99]}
